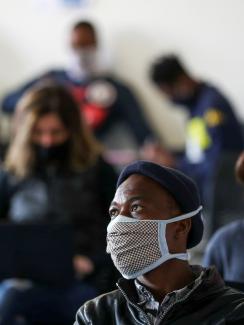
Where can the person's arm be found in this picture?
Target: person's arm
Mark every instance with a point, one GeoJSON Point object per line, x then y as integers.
{"type": "Point", "coordinates": [157, 153]}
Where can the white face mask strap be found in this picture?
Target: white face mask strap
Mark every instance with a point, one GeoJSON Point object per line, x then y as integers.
{"type": "Point", "coordinates": [122, 218]}
{"type": "Point", "coordinates": [184, 216]}
{"type": "Point", "coordinates": [181, 256]}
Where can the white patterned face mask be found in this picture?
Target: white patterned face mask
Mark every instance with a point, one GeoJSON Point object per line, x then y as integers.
{"type": "Point", "coordinates": [87, 62]}
{"type": "Point", "coordinates": [139, 246]}
{"type": "Point", "coordinates": [83, 63]}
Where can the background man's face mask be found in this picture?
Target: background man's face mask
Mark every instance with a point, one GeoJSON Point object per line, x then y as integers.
{"type": "Point", "coordinates": [86, 63]}
{"type": "Point", "coordinates": [184, 96]}
{"type": "Point", "coordinates": [139, 246]}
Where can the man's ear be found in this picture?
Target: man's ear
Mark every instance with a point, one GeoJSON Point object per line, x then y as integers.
{"type": "Point", "coordinates": [183, 228]}
{"type": "Point", "coordinates": [177, 235]}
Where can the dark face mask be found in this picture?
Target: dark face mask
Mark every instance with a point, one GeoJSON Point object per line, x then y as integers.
{"type": "Point", "coordinates": [56, 153]}
{"type": "Point", "coordinates": [188, 100]}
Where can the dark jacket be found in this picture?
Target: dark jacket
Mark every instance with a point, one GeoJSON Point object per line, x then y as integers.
{"type": "Point", "coordinates": [211, 303]}
{"type": "Point", "coordinates": [58, 195]}
{"type": "Point", "coordinates": [61, 196]}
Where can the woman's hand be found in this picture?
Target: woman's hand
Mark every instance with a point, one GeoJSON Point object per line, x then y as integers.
{"type": "Point", "coordinates": [83, 265]}
{"type": "Point", "coordinates": [239, 168]}
{"type": "Point", "coordinates": [153, 151]}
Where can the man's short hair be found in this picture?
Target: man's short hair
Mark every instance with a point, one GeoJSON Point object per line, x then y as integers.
{"type": "Point", "coordinates": [166, 70]}
{"type": "Point", "coordinates": [85, 24]}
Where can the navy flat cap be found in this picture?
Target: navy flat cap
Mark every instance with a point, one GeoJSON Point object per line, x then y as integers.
{"type": "Point", "coordinates": [180, 186]}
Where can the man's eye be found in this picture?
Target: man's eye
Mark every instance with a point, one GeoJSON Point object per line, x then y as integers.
{"type": "Point", "coordinates": [113, 212]}
{"type": "Point", "coordinates": [136, 208]}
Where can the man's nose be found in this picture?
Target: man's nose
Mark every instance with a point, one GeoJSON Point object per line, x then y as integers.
{"type": "Point", "coordinates": [125, 211]}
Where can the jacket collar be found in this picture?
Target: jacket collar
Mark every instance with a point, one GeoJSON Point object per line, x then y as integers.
{"type": "Point", "coordinates": [211, 283]}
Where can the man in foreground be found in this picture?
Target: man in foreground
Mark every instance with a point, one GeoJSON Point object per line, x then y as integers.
{"type": "Point", "coordinates": [155, 218]}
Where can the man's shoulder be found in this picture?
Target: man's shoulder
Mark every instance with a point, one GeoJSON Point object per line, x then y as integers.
{"type": "Point", "coordinates": [213, 300]}
{"type": "Point", "coordinates": [213, 98]}
{"type": "Point", "coordinates": [222, 305]}
{"type": "Point", "coordinates": [103, 300]}
{"type": "Point", "coordinates": [224, 235]}
{"type": "Point", "coordinates": [211, 91]}
{"type": "Point", "coordinates": [236, 295]}
{"type": "Point", "coordinates": [232, 302]}
{"type": "Point", "coordinates": [229, 299]}
{"type": "Point", "coordinates": [101, 308]}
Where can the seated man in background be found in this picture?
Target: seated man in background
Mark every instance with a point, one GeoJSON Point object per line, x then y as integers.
{"type": "Point", "coordinates": [213, 129]}
{"type": "Point", "coordinates": [155, 218]}
{"type": "Point", "coordinates": [104, 101]}
{"type": "Point", "coordinates": [225, 249]}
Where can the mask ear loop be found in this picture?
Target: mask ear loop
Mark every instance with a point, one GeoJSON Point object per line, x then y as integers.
{"type": "Point", "coordinates": [183, 216]}
{"type": "Point", "coordinates": [175, 219]}
{"type": "Point", "coordinates": [162, 227]}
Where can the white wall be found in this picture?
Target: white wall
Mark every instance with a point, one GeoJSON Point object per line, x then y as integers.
{"type": "Point", "coordinates": [207, 33]}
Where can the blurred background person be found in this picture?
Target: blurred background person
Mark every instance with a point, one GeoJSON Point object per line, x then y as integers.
{"type": "Point", "coordinates": [225, 248]}
{"type": "Point", "coordinates": [54, 173]}
{"type": "Point", "coordinates": [213, 131]}
{"type": "Point", "coordinates": [108, 105]}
